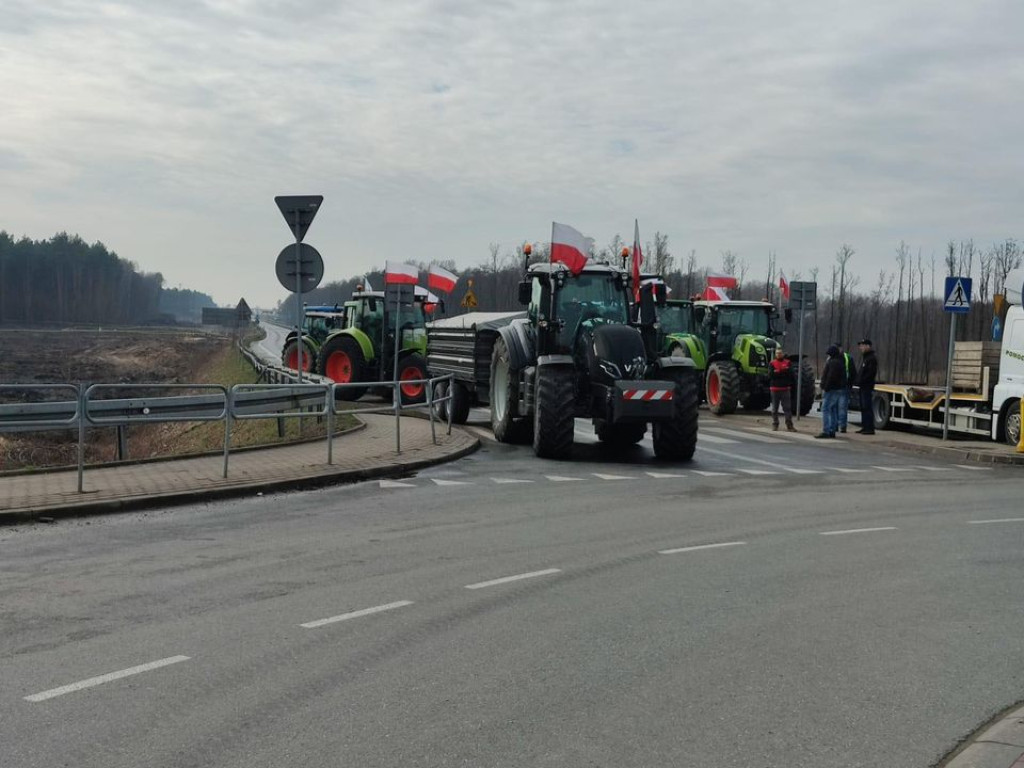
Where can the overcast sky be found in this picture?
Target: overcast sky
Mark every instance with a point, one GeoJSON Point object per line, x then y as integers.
{"type": "Point", "coordinates": [434, 128]}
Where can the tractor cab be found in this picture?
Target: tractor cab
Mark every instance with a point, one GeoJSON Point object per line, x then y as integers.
{"type": "Point", "coordinates": [317, 324]}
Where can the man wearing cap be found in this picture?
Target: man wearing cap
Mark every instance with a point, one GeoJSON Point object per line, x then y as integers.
{"type": "Point", "coordinates": [866, 383]}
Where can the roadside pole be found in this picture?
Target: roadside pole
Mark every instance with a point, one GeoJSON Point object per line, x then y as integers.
{"type": "Point", "coordinates": [800, 359]}
{"type": "Point", "coordinates": [949, 376]}
{"type": "Point", "coordinates": [298, 294]}
{"type": "Point", "coordinates": [394, 378]}
{"type": "Point", "coordinates": [803, 296]}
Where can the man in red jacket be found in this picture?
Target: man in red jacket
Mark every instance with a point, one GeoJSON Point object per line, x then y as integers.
{"type": "Point", "coordinates": [780, 383]}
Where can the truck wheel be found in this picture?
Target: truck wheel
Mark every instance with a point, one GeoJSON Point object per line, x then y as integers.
{"type": "Point", "coordinates": [413, 369]}
{"type": "Point", "coordinates": [676, 439]}
{"type": "Point", "coordinates": [1011, 424]}
{"type": "Point", "coordinates": [882, 409]}
{"type": "Point", "coordinates": [341, 360]}
{"type": "Point", "coordinates": [459, 403]}
{"type": "Point", "coordinates": [723, 387]}
{"type": "Point", "coordinates": [440, 409]}
{"type": "Point", "coordinates": [554, 414]}
{"type": "Point", "coordinates": [290, 356]}
{"type": "Point", "coordinates": [504, 396]}
{"type": "Point", "coordinates": [621, 435]}
{"type": "Point", "coordinates": [806, 388]}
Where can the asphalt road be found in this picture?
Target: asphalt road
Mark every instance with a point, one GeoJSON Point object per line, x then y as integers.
{"type": "Point", "coordinates": [779, 601]}
{"type": "Point", "coordinates": [269, 349]}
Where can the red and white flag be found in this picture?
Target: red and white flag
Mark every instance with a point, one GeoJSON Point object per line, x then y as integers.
{"type": "Point", "coordinates": [711, 293]}
{"type": "Point", "coordinates": [441, 279]}
{"type": "Point", "coordinates": [718, 280]}
{"type": "Point", "coordinates": [638, 259]}
{"type": "Point", "coordinates": [784, 285]}
{"type": "Point", "coordinates": [569, 247]}
{"type": "Point", "coordinates": [397, 273]}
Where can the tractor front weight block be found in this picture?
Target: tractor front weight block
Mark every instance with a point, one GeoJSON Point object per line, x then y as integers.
{"type": "Point", "coordinates": [642, 401]}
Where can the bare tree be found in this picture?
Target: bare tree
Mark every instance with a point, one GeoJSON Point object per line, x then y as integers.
{"type": "Point", "coordinates": [1006, 257]}
{"type": "Point", "coordinates": [843, 256]}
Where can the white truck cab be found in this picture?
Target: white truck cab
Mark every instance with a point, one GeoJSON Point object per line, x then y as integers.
{"type": "Point", "coordinates": [1009, 390]}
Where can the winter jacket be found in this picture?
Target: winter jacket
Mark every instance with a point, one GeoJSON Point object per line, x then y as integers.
{"type": "Point", "coordinates": [868, 370]}
{"type": "Point", "coordinates": [851, 369]}
{"type": "Point", "coordinates": [780, 375]}
{"type": "Point", "coordinates": [834, 375]}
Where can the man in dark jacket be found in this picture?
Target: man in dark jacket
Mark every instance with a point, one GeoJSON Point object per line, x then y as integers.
{"type": "Point", "coordinates": [866, 382]}
{"type": "Point", "coordinates": [833, 381]}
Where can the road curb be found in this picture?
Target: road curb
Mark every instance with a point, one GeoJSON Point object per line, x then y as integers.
{"type": "Point", "coordinates": [961, 454]}
{"type": "Point", "coordinates": [999, 743]}
{"type": "Point", "coordinates": [192, 496]}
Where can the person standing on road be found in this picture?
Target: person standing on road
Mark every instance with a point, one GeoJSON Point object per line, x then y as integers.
{"type": "Point", "coordinates": [833, 380]}
{"type": "Point", "coordinates": [780, 384]}
{"type": "Point", "coordinates": [866, 383]}
{"type": "Point", "coordinates": [844, 397]}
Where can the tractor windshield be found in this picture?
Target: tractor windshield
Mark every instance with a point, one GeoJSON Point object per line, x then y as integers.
{"type": "Point", "coordinates": [676, 318]}
{"type": "Point", "coordinates": [733, 321]}
{"type": "Point", "coordinates": [589, 297]}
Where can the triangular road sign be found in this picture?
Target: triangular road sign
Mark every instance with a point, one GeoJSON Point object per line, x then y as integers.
{"type": "Point", "coordinates": [299, 211]}
{"type": "Point", "coordinates": [958, 294]}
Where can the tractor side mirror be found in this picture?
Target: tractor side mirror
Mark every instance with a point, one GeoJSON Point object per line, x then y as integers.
{"type": "Point", "coordinates": [525, 291]}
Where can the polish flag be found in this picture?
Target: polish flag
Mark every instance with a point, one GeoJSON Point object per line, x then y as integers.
{"type": "Point", "coordinates": [711, 293]}
{"type": "Point", "coordinates": [784, 285]}
{"type": "Point", "coordinates": [569, 247]}
{"type": "Point", "coordinates": [638, 259]}
{"type": "Point", "coordinates": [397, 273]}
{"type": "Point", "coordinates": [441, 279]}
{"type": "Point", "coordinates": [366, 284]}
{"type": "Point", "coordinates": [716, 280]}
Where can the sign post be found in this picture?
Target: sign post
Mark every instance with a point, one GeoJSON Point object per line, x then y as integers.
{"type": "Point", "coordinates": [803, 296]}
{"type": "Point", "coordinates": [299, 212]}
{"type": "Point", "coordinates": [958, 302]}
{"type": "Point", "coordinates": [397, 296]}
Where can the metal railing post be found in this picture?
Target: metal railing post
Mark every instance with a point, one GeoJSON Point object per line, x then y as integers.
{"type": "Point", "coordinates": [228, 415]}
{"type": "Point", "coordinates": [81, 438]}
{"type": "Point", "coordinates": [330, 424]}
{"type": "Point", "coordinates": [398, 416]}
{"type": "Point", "coordinates": [430, 410]}
{"type": "Point", "coordinates": [451, 389]}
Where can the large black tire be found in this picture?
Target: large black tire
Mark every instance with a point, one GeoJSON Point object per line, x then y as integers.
{"type": "Point", "coordinates": [1011, 423]}
{"type": "Point", "coordinates": [554, 413]}
{"type": "Point", "coordinates": [506, 423]}
{"type": "Point", "coordinates": [757, 401]}
{"type": "Point", "coordinates": [723, 387]}
{"type": "Point", "coordinates": [440, 409]}
{"type": "Point", "coordinates": [290, 356]}
{"type": "Point", "coordinates": [459, 403]}
{"type": "Point", "coordinates": [341, 360]}
{"type": "Point", "coordinates": [676, 439]}
{"type": "Point", "coordinates": [807, 392]}
{"type": "Point", "coordinates": [621, 435]}
{"type": "Point", "coordinates": [412, 368]}
{"type": "Point", "coordinates": [883, 410]}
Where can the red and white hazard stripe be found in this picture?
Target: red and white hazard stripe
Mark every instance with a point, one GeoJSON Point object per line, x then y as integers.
{"type": "Point", "coordinates": [647, 394]}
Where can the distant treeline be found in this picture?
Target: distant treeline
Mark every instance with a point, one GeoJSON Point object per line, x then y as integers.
{"type": "Point", "coordinates": [900, 311]}
{"type": "Point", "coordinates": [185, 305]}
{"type": "Point", "coordinates": [66, 280]}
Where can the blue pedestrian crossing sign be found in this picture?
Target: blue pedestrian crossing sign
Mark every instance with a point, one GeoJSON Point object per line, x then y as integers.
{"type": "Point", "coordinates": [958, 295]}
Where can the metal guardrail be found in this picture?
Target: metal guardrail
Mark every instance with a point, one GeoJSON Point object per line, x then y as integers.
{"type": "Point", "coordinates": [240, 402]}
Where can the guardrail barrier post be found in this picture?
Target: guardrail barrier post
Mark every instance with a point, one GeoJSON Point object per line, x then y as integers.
{"type": "Point", "coordinates": [330, 424]}
{"type": "Point", "coordinates": [451, 389]}
{"type": "Point", "coordinates": [398, 416]}
{"type": "Point", "coordinates": [81, 438]}
{"type": "Point", "coordinates": [430, 410]}
{"type": "Point", "coordinates": [228, 415]}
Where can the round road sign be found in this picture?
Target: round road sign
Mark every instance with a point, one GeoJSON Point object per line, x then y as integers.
{"type": "Point", "coordinates": [311, 267]}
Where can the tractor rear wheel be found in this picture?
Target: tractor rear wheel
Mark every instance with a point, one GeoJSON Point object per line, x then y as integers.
{"type": "Point", "coordinates": [806, 388]}
{"type": "Point", "coordinates": [676, 439]}
{"type": "Point", "coordinates": [723, 387]}
{"type": "Point", "coordinates": [554, 412]}
{"type": "Point", "coordinates": [621, 435]}
{"type": "Point", "coordinates": [341, 360]}
{"type": "Point", "coordinates": [757, 401]}
{"type": "Point", "coordinates": [504, 396]}
{"type": "Point", "coordinates": [412, 373]}
{"type": "Point", "coordinates": [290, 356]}
{"type": "Point", "coordinates": [459, 403]}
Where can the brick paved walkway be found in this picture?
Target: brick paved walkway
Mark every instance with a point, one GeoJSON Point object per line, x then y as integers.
{"type": "Point", "coordinates": [364, 453]}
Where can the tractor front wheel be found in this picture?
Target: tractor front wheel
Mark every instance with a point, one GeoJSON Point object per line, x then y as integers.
{"type": "Point", "coordinates": [723, 387]}
{"type": "Point", "coordinates": [676, 438]}
{"type": "Point", "coordinates": [341, 360]}
{"type": "Point", "coordinates": [290, 356]}
{"type": "Point", "coordinates": [554, 413]}
{"type": "Point", "coordinates": [412, 372]}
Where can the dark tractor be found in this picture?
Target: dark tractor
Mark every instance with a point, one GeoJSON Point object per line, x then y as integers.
{"type": "Point", "coordinates": [317, 324]}
{"type": "Point", "coordinates": [364, 350]}
{"type": "Point", "coordinates": [576, 354]}
{"type": "Point", "coordinates": [740, 339]}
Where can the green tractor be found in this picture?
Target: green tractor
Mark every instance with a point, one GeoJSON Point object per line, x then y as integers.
{"type": "Point", "coordinates": [740, 340]}
{"type": "Point", "coordinates": [364, 350]}
{"type": "Point", "coordinates": [317, 324]}
{"type": "Point", "coordinates": [578, 354]}
{"type": "Point", "coordinates": [678, 333]}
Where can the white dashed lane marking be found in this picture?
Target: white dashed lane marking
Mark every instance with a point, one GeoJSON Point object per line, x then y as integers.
{"type": "Point", "coordinates": [1001, 520]}
{"type": "Point", "coordinates": [355, 614]}
{"type": "Point", "coordinates": [94, 681]}
{"type": "Point", "coordinates": [677, 550]}
{"type": "Point", "coordinates": [561, 479]}
{"type": "Point", "coordinates": [509, 480]}
{"type": "Point", "coordinates": [741, 435]}
{"type": "Point", "coordinates": [601, 476]}
{"type": "Point", "coordinates": [857, 530]}
{"type": "Point", "coordinates": [517, 577]}
{"type": "Point", "coordinates": [450, 482]}
{"type": "Point", "coordinates": [395, 484]}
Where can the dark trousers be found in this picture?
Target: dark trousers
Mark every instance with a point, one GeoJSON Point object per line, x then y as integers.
{"type": "Point", "coordinates": [867, 411]}
{"type": "Point", "coordinates": [781, 397]}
